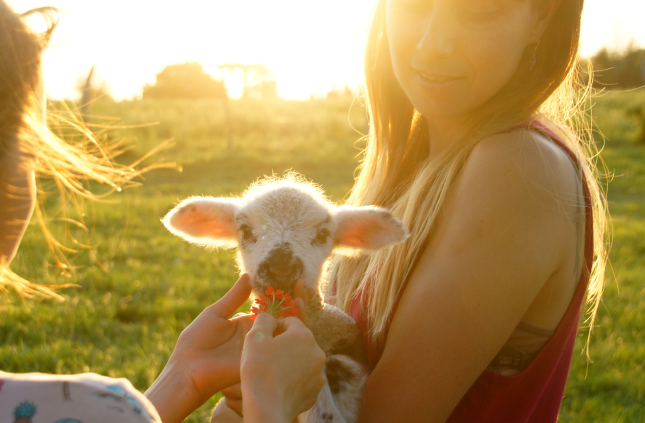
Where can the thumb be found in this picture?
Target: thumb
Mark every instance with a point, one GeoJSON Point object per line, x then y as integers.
{"type": "Point", "coordinates": [233, 299]}
{"type": "Point", "coordinates": [263, 328]}
{"type": "Point", "coordinates": [290, 324]}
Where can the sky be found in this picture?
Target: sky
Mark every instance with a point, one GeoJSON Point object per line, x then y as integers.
{"type": "Point", "coordinates": [311, 46]}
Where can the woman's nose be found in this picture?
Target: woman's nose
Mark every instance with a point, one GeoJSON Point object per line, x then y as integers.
{"type": "Point", "coordinates": [439, 35]}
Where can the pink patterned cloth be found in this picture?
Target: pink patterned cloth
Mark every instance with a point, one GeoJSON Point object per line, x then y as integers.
{"type": "Point", "coordinates": [84, 398]}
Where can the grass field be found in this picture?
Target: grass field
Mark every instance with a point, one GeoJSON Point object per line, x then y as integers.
{"type": "Point", "coordinates": [123, 322]}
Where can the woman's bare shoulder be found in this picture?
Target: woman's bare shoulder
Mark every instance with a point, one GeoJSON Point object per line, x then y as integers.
{"type": "Point", "coordinates": [527, 155]}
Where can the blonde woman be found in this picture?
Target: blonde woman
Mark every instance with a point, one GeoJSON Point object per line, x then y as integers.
{"type": "Point", "coordinates": [472, 146]}
{"type": "Point", "coordinates": [210, 354]}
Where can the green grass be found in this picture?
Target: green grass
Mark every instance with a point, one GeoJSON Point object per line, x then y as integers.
{"type": "Point", "coordinates": [124, 322]}
{"type": "Point", "coordinates": [612, 388]}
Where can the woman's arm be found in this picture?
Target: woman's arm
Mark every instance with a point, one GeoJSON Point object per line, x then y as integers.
{"type": "Point", "coordinates": [275, 358]}
{"type": "Point", "coordinates": [206, 358]}
{"type": "Point", "coordinates": [500, 238]}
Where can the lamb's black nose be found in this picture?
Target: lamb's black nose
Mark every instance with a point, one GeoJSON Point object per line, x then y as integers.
{"type": "Point", "coordinates": [281, 268]}
{"type": "Point", "coordinates": [280, 262]}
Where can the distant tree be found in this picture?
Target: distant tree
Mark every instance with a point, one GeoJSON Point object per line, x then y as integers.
{"type": "Point", "coordinates": [340, 92]}
{"type": "Point", "coordinates": [186, 80]}
{"type": "Point", "coordinates": [257, 80]}
{"type": "Point", "coordinates": [619, 70]}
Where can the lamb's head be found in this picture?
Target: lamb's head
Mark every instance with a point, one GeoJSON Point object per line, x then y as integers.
{"type": "Point", "coordinates": [284, 230]}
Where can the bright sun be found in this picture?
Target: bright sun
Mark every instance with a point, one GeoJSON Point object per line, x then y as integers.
{"type": "Point", "coordinates": [311, 46]}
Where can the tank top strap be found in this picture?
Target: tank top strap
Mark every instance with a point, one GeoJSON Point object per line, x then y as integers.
{"type": "Point", "coordinates": [537, 126]}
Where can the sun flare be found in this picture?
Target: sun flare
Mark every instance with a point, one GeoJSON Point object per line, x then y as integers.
{"type": "Point", "coordinates": [311, 46]}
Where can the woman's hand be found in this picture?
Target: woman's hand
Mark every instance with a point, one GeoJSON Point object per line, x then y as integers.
{"type": "Point", "coordinates": [281, 374]}
{"type": "Point", "coordinates": [233, 394]}
{"type": "Point", "coordinates": [206, 358]}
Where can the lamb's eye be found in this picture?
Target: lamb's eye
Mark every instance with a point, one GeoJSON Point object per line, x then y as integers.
{"type": "Point", "coordinates": [247, 233]}
{"type": "Point", "coordinates": [321, 237]}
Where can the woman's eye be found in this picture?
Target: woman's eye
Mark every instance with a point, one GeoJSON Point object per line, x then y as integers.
{"type": "Point", "coordinates": [247, 233]}
{"type": "Point", "coordinates": [321, 237]}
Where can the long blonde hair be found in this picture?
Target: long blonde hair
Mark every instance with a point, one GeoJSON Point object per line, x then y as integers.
{"type": "Point", "coordinates": [396, 171]}
{"type": "Point", "coordinates": [67, 161]}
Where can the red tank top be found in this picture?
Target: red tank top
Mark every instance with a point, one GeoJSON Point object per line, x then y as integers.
{"type": "Point", "coordinates": [535, 394]}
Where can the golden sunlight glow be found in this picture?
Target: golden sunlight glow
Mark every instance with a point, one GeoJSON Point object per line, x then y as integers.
{"type": "Point", "coordinates": [312, 46]}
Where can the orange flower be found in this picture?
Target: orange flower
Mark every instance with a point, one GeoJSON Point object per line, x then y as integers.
{"type": "Point", "coordinates": [276, 302]}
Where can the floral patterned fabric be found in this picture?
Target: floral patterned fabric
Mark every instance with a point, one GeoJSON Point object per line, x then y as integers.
{"type": "Point", "coordinates": [85, 398]}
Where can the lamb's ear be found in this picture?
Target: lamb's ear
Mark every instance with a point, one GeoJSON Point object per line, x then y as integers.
{"type": "Point", "coordinates": [366, 228]}
{"type": "Point", "coordinates": [204, 220]}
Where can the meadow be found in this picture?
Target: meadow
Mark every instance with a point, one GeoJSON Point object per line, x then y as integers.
{"type": "Point", "coordinates": [139, 286]}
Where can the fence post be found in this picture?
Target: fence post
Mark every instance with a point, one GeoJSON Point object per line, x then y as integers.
{"type": "Point", "coordinates": [227, 116]}
{"type": "Point", "coordinates": [87, 97]}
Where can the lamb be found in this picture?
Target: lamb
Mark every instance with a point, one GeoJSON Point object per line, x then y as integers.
{"type": "Point", "coordinates": [286, 229]}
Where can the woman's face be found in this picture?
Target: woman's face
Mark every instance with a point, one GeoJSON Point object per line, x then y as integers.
{"type": "Point", "coordinates": [451, 56]}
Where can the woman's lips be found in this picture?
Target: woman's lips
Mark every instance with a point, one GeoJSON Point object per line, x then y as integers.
{"type": "Point", "coordinates": [436, 80]}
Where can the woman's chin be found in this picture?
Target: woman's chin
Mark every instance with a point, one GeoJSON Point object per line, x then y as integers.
{"type": "Point", "coordinates": [445, 111]}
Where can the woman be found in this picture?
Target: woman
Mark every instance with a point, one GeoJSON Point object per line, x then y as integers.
{"type": "Point", "coordinates": [210, 354]}
{"type": "Point", "coordinates": [474, 318]}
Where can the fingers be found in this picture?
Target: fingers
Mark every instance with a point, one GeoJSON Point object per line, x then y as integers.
{"type": "Point", "coordinates": [299, 291]}
{"type": "Point", "coordinates": [286, 369]}
{"type": "Point", "coordinates": [301, 298]}
{"type": "Point", "coordinates": [233, 299]}
{"type": "Point", "coordinates": [282, 325]}
{"type": "Point", "coordinates": [233, 395]}
{"type": "Point", "coordinates": [236, 405]}
{"type": "Point", "coordinates": [233, 392]}
{"type": "Point", "coordinates": [263, 328]}
{"type": "Point", "coordinates": [290, 324]}
{"type": "Point", "coordinates": [302, 312]}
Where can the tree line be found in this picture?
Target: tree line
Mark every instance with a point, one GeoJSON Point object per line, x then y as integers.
{"type": "Point", "coordinates": [619, 71]}
{"type": "Point", "coordinates": [612, 70]}
{"type": "Point", "coordinates": [190, 81]}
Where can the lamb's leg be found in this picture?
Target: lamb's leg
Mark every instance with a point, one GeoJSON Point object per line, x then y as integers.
{"type": "Point", "coordinates": [346, 378]}
{"type": "Point", "coordinates": [324, 411]}
{"type": "Point", "coordinates": [339, 399]}
{"type": "Point", "coordinates": [223, 414]}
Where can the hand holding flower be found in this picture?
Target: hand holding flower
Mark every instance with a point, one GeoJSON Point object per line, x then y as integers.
{"type": "Point", "coordinates": [281, 375]}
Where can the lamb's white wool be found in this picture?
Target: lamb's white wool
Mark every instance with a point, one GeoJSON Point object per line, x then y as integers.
{"type": "Point", "coordinates": [286, 229]}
